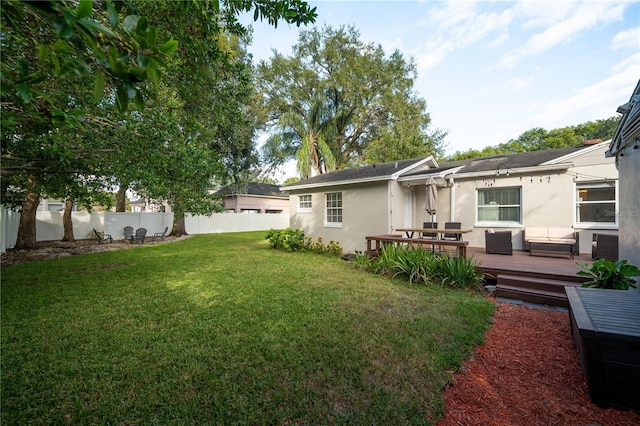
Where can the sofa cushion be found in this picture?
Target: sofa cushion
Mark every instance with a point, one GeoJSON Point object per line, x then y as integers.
{"type": "Point", "coordinates": [535, 233]}
{"type": "Point", "coordinates": [562, 233]}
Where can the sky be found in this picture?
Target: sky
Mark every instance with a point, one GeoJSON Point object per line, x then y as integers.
{"type": "Point", "coordinates": [491, 70]}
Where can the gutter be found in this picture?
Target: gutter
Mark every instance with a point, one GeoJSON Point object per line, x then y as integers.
{"type": "Point", "coordinates": [523, 170]}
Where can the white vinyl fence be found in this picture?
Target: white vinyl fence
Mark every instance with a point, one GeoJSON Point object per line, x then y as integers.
{"type": "Point", "coordinates": [49, 224]}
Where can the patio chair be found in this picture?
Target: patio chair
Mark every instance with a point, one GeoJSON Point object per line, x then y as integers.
{"type": "Point", "coordinates": [430, 225]}
{"type": "Point", "coordinates": [102, 237]}
{"type": "Point", "coordinates": [128, 233]}
{"type": "Point", "coordinates": [605, 246]}
{"type": "Point", "coordinates": [160, 235]}
{"type": "Point", "coordinates": [498, 242]}
{"type": "Point", "coordinates": [452, 236]}
{"type": "Point", "coordinates": [139, 235]}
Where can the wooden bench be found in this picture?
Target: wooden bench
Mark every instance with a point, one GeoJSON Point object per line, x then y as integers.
{"type": "Point", "coordinates": [380, 240]}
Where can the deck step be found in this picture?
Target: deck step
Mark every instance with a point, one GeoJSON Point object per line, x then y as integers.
{"type": "Point", "coordinates": [531, 289]}
{"type": "Point", "coordinates": [544, 284]}
{"type": "Point", "coordinates": [535, 296]}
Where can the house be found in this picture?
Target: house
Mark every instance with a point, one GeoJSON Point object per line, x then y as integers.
{"type": "Point", "coordinates": [255, 198]}
{"type": "Point", "coordinates": [625, 148]}
{"type": "Point", "coordinates": [144, 205]}
{"type": "Point", "coordinates": [567, 187]}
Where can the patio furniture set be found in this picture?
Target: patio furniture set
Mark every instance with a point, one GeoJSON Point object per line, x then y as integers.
{"type": "Point", "coordinates": [133, 236]}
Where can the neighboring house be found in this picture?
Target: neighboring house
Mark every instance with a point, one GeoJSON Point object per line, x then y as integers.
{"type": "Point", "coordinates": [568, 187]}
{"type": "Point", "coordinates": [625, 148]}
{"type": "Point", "coordinates": [52, 205]}
{"type": "Point", "coordinates": [142, 205]}
{"type": "Point", "coordinates": [255, 198]}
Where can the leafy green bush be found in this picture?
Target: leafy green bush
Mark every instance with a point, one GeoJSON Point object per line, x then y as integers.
{"type": "Point", "coordinates": [362, 261]}
{"type": "Point", "coordinates": [419, 265]}
{"type": "Point", "coordinates": [415, 264]}
{"type": "Point", "coordinates": [610, 275]}
{"type": "Point", "coordinates": [294, 240]}
{"type": "Point", "coordinates": [384, 263]}
{"type": "Point", "coordinates": [286, 239]}
{"type": "Point", "coordinates": [460, 272]}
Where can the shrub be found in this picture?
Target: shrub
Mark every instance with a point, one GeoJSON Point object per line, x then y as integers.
{"type": "Point", "coordinates": [286, 239]}
{"type": "Point", "coordinates": [461, 272]}
{"type": "Point", "coordinates": [415, 264]}
{"type": "Point", "coordinates": [294, 240]}
{"type": "Point", "coordinates": [610, 275]}
{"type": "Point", "coordinates": [384, 263]}
{"type": "Point", "coordinates": [362, 261]}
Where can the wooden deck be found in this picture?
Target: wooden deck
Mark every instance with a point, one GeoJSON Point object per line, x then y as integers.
{"type": "Point", "coordinates": [531, 278]}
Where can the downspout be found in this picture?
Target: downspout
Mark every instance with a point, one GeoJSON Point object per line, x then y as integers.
{"type": "Point", "coordinates": [452, 200]}
{"type": "Point", "coordinates": [390, 207]}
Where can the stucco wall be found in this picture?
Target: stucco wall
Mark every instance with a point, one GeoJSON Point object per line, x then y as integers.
{"type": "Point", "coordinates": [547, 201]}
{"type": "Point", "coordinates": [629, 214]}
{"type": "Point", "coordinates": [364, 212]}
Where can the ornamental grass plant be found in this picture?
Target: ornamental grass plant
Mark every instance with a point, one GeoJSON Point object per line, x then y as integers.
{"type": "Point", "coordinates": [223, 329]}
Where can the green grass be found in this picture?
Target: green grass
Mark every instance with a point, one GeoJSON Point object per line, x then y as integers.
{"type": "Point", "coordinates": [222, 329]}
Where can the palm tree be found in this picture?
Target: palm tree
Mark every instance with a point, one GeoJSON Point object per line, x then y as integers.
{"type": "Point", "coordinates": [305, 130]}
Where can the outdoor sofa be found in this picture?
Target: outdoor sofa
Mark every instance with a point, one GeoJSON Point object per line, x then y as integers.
{"type": "Point", "coordinates": [550, 241]}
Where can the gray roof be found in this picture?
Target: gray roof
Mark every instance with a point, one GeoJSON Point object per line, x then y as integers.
{"type": "Point", "coordinates": [369, 172]}
{"type": "Point", "coordinates": [628, 130]}
{"type": "Point", "coordinates": [254, 188]}
{"type": "Point", "coordinates": [507, 161]}
{"type": "Point", "coordinates": [492, 163]}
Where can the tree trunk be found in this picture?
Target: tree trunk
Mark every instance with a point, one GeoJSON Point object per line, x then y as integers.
{"type": "Point", "coordinates": [67, 223]}
{"type": "Point", "coordinates": [179, 228]}
{"type": "Point", "coordinates": [121, 198]}
{"type": "Point", "coordinates": [27, 227]}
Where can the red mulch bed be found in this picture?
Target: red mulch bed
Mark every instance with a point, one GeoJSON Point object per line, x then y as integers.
{"type": "Point", "coordinates": [526, 373]}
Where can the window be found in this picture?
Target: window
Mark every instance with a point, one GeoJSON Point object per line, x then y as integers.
{"type": "Point", "coordinates": [596, 202]}
{"type": "Point", "coordinates": [499, 205]}
{"type": "Point", "coordinates": [334, 209]}
{"type": "Point", "coordinates": [304, 203]}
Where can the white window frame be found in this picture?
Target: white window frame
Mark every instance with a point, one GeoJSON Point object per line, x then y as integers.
{"type": "Point", "coordinates": [331, 206]}
{"type": "Point", "coordinates": [499, 223]}
{"type": "Point", "coordinates": [577, 202]}
{"type": "Point", "coordinates": [305, 209]}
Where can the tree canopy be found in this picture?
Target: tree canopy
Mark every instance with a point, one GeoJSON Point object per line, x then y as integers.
{"type": "Point", "coordinates": [71, 71]}
{"type": "Point", "coordinates": [537, 138]}
{"type": "Point", "coordinates": [338, 102]}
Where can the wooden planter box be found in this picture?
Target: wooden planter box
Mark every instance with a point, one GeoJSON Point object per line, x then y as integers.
{"type": "Point", "coordinates": [605, 325]}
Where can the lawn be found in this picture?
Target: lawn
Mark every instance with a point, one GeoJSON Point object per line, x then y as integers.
{"type": "Point", "coordinates": [222, 329]}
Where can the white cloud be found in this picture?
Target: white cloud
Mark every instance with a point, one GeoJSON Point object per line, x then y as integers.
{"type": "Point", "coordinates": [627, 39]}
{"type": "Point", "coordinates": [583, 18]}
{"type": "Point", "coordinates": [433, 53]}
{"type": "Point", "coordinates": [599, 100]}
{"type": "Point", "coordinates": [518, 83]}
{"type": "Point", "coordinates": [458, 25]}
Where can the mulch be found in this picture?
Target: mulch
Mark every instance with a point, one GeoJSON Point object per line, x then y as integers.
{"type": "Point", "coordinates": [526, 373]}
{"type": "Point", "coordinates": [57, 249]}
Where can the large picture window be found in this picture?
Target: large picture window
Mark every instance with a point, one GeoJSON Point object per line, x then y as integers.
{"type": "Point", "coordinates": [304, 203]}
{"type": "Point", "coordinates": [499, 205]}
{"type": "Point", "coordinates": [334, 209]}
{"type": "Point", "coordinates": [596, 202]}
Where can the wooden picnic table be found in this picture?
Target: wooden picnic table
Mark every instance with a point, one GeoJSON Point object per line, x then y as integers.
{"type": "Point", "coordinates": [410, 231]}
